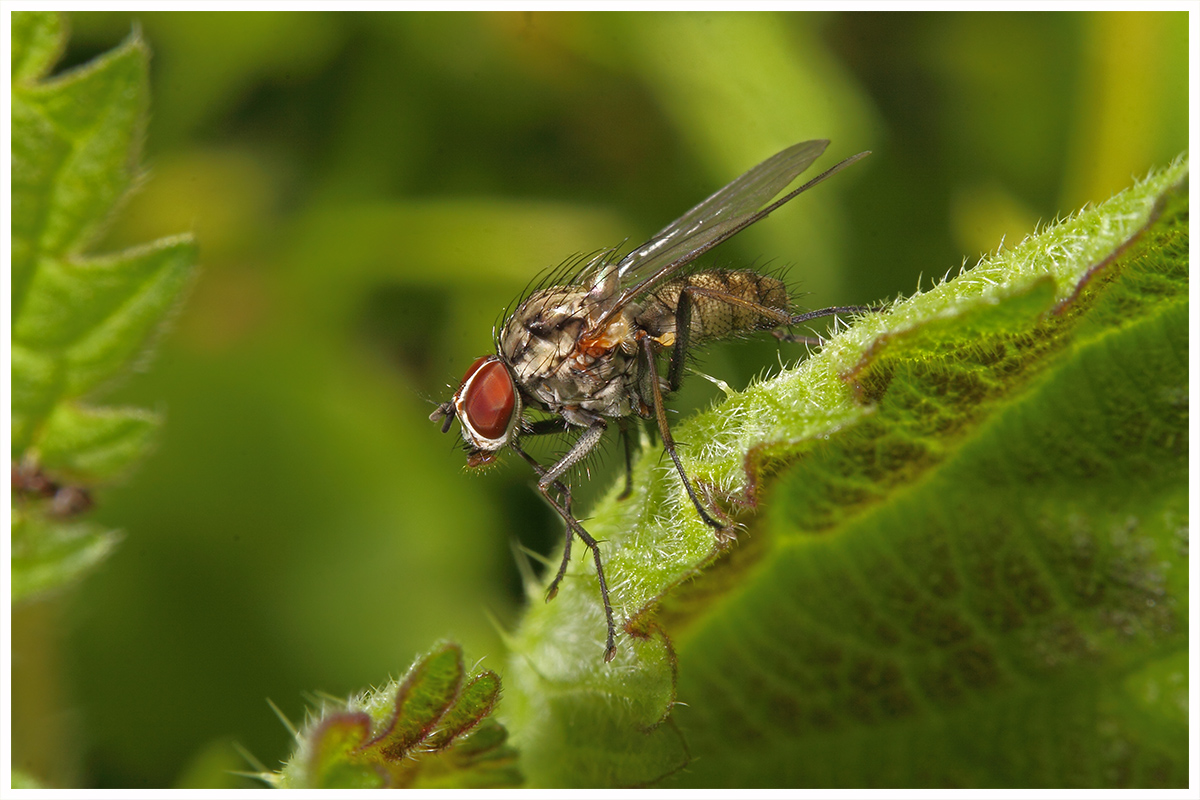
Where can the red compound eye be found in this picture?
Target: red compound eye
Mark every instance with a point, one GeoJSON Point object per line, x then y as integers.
{"type": "Point", "coordinates": [487, 398]}
{"type": "Point", "coordinates": [479, 362]}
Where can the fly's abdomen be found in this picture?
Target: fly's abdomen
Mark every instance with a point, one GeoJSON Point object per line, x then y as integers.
{"type": "Point", "coordinates": [717, 315]}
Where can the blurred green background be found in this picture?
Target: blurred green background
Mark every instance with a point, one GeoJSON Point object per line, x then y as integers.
{"type": "Point", "coordinates": [370, 190]}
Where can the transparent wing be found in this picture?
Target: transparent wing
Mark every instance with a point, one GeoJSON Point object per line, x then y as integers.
{"type": "Point", "coordinates": [723, 209]}
{"type": "Point", "coordinates": [712, 221]}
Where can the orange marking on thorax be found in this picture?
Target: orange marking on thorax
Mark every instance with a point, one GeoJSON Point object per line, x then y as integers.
{"type": "Point", "coordinates": [604, 342]}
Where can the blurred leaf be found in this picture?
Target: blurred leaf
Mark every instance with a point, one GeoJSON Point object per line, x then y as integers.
{"type": "Point", "coordinates": [431, 729]}
{"type": "Point", "coordinates": [48, 553]}
{"type": "Point", "coordinates": [75, 139]}
{"type": "Point", "coordinates": [216, 765]}
{"type": "Point", "coordinates": [21, 780]}
{"type": "Point", "coordinates": [95, 443]}
{"type": "Point", "coordinates": [37, 40]}
{"type": "Point", "coordinates": [200, 81]}
{"type": "Point", "coordinates": [91, 318]}
{"type": "Point", "coordinates": [966, 554]}
{"type": "Point", "coordinates": [76, 322]}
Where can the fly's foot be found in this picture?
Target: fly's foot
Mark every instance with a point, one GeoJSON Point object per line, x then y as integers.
{"type": "Point", "coordinates": [811, 341]}
{"type": "Point", "coordinates": [724, 527]}
{"type": "Point", "coordinates": [727, 535]}
{"type": "Point", "coordinates": [628, 490]}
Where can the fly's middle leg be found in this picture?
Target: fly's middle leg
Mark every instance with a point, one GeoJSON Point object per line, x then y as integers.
{"type": "Point", "coordinates": [583, 445]}
{"type": "Point", "coordinates": [832, 311]}
{"type": "Point", "coordinates": [627, 441]}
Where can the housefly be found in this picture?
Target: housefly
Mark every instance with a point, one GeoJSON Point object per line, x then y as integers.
{"type": "Point", "coordinates": [586, 352]}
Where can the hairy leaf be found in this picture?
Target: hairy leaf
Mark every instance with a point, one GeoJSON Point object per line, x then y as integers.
{"type": "Point", "coordinates": [963, 559]}
{"type": "Point", "coordinates": [431, 729]}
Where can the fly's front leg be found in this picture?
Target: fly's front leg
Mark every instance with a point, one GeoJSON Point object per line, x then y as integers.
{"type": "Point", "coordinates": [547, 480]}
{"type": "Point", "coordinates": [565, 492]}
{"type": "Point", "coordinates": [543, 427]}
{"type": "Point", "coordinates": [660, 413]}
{"type": "Point", "coordinates": [546, 426]}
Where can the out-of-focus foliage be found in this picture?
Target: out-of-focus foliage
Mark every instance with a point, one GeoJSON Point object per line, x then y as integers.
{"type": "Point", "coordinates": [369, 192]}
{"type": "Point", "coordinates": [77, 321]}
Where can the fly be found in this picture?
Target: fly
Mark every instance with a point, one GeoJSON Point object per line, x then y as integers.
{"type": "Point", "coordinates": [586, 352]}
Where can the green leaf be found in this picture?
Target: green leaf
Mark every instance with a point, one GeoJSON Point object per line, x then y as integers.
{"type": "Point", "coordinates": [78, 321]}
{"type": "Point", "coordinates": [431, 729]}
{"type": "Point", "coordinates": [76, 139]}
{"type": "Point", "coordinates": [964, 553]}
{"type": "Point", "coordinates": [47, 554]}
{"type": "Point", "coordinates": [95, 443]}
{"type": "Point", "coordinates": [37, 42]}
{"type": "Point", "coordinates": [96, 315]}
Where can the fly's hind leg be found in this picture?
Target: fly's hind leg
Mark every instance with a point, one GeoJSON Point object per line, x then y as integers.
{"type": "Point", "coordinates": [782, 319]}
{"type": "Point", "coordinates": [683, 323]}
{"type": "Point", "coordinates": [832, 311]}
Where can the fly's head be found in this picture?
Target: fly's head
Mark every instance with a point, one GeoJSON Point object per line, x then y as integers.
{"type": "Point", "coordinates": [488, 407]}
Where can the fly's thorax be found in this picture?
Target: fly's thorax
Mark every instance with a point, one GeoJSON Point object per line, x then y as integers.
{"type": "Point", "coordinates": [543, 331]}
{"type": "Point", "coordinates": [714, 318]}
{"type": "Point", "coordinates": [558, 367]}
